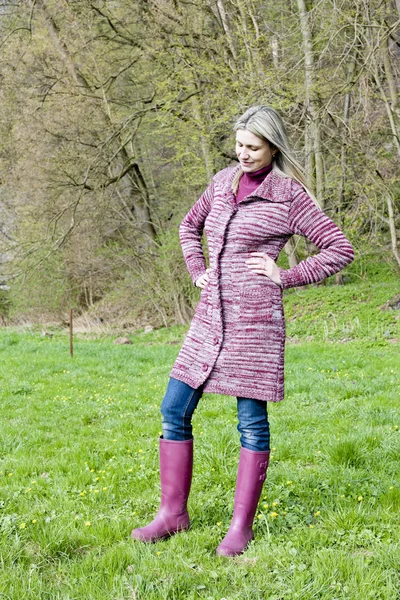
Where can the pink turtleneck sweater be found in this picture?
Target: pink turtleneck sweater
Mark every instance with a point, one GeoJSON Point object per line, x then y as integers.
{"type": "Point", "coordinates": [249, 182]}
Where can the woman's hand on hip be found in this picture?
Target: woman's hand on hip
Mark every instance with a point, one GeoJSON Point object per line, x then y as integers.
{"type": "Point", "coordinates": [262, 264]}
{"type": "Point", "coordinates": [202, 281]}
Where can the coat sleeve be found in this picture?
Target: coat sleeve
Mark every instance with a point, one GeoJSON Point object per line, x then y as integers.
{"type": "Point", "coordinates": [308, 220]}
{"type": "Point", "coordinates": [190, 233]}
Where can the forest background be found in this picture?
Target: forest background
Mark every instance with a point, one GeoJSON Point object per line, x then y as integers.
{"type": "Point", "coordinates": [115, 115]}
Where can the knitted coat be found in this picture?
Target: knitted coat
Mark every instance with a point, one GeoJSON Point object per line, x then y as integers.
{"type": "Point", "coordinates": [235, 343]}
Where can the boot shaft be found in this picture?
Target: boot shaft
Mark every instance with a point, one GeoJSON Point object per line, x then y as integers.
{"type": "Point", "coordinates": [176, 467]}
{"type": "Point", "coordinates": [252, 470]}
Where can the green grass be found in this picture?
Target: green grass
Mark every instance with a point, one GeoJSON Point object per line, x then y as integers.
{"type": "Point", "coordinates": [79, 469]}
{"type": "Point", "coordinates": [343, 313]}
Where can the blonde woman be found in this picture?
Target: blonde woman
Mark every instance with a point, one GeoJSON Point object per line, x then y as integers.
{"type": "Point", "coordinates": [235, 344]}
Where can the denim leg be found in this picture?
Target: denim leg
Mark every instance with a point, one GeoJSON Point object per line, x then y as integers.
{"type": "Point", "coordinates": [177, 408]}
{"type": "Point", "coordinates": [253, 424]}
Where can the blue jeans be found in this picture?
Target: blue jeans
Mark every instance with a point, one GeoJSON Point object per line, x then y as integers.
{"type": "Point", "coordinates": [180, 402]}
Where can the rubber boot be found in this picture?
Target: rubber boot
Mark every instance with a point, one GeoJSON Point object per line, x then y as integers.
{"type": "Point", "coordinates": [176, 465]}
{"type": "Point", "coordinates": [250, 478]}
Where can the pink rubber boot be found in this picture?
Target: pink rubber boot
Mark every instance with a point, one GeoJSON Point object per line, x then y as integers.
{"type": "Point", "coordinates": [250, 478]}
{"type": "Point", "coordinates": [176, 465]}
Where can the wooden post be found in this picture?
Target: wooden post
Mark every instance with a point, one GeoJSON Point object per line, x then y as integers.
{"type": "Point", "coordinates": [71, 346]}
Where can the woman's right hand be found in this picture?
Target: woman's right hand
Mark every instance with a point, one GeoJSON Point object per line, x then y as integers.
{"type": "Point", "coordinates": [202, 281]}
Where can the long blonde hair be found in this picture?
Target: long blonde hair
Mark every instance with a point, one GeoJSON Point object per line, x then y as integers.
{"type": "Point", "coordinates": [266, 123]}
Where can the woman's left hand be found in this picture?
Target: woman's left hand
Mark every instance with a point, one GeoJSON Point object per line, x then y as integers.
{"type": "Point", "coordinates": [264, 265]}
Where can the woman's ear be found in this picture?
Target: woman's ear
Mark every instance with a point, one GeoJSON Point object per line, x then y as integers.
{"type": "Point", "coordinates": [274, 149]}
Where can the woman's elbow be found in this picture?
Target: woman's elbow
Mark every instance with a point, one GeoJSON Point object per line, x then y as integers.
{"type": "Point", "coordinates": [347, 252]}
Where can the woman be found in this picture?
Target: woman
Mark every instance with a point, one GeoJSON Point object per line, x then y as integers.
{"type": "Point", "coordinates": [235, 344]}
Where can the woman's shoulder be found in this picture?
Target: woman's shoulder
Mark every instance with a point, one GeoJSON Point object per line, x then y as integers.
{"type": "Point", "coordinates": [296, 186]}
{"type": "Point", "coordinates": [225, 175]}
{"type": "Point", "coordinates": [289, 185]}
{"type": "Point", "coordinates": [300, 195]}
{"type": "Point", "coordinates": [278, 186]}
{"type": "Point", "coordinates": [286, 181]}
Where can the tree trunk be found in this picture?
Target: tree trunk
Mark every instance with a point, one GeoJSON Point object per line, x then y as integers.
{"type": "Point", "coordinates": [389, 110]}
{"type": "Point", "coordinates": [392, 227]}
{"type": "Point", "coordinates": [311, 99]}
{"type": "Point", "coordinates": [389, 74]}
{"type": "Point", "coordinates": [292, 254]}
{"type": "Point", "coordinates": [245, 33]}
{"type": "Point", "coordinates": [378, 51]}
{"type": "Point", "coordinates": [343, 156]}
{"type": "Point", "coordinates": [275, 51]}
{"type": "Point", "coordinates": [226, 27]}
{"type": "Point", "coordinates": [205, 146]}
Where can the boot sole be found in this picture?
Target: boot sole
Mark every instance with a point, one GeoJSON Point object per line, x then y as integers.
{"type": "Point", "coordinates": [233, 554]}
{"type": "Point", "coordinates": [160, 538]}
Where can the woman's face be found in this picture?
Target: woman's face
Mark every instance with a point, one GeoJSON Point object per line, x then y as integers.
{"type": "Point", "coordinates": [253, 152]}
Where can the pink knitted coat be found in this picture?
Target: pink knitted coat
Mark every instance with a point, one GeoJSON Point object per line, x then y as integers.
{"type": "Point", "coordinates": [235, 343]}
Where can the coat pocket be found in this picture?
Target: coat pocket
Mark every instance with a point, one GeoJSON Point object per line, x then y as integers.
{"type": "Point", "coordinates": [255, 305]}
{"type": "Point", "coordinates": [203, 308]}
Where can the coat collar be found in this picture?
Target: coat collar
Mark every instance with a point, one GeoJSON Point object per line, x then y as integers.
{"type": "Point", "coordinates": [274, 188]}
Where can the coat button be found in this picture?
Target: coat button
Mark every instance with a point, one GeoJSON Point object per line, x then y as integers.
{"type": "Point", "coordinates": [205, 367]}
{"type": "Point", "coordinates": [215, 341]}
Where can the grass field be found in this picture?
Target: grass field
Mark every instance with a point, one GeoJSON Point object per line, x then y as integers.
{"type": "Point", "coordinates": [79, 466]}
